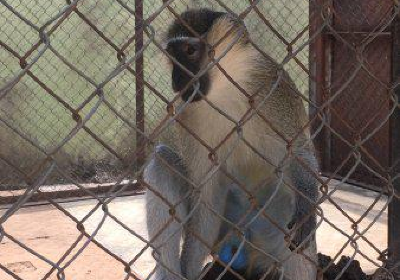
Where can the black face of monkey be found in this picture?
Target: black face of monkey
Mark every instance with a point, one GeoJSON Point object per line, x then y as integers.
{"type": "Point", "coordinates": [189, 50]}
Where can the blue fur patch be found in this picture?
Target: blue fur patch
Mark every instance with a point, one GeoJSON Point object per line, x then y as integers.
{"type": "Point", "coordinates": [227, 252]}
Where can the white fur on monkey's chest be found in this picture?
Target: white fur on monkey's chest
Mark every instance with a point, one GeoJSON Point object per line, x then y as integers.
{"type": "Point", "coordinates": [251, 152]}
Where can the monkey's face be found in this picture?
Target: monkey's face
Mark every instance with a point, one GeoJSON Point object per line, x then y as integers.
{"type": "Point", "coordinates": [191, 54]}
{"type": "Point", "coordinates": [192, 39]}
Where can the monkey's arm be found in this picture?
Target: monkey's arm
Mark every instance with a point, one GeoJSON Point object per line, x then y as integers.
{"type": "Point", "coordinates": [206, 224]}
{"type": "Point", "coordinates": [306, 184]}
{"type": "Point", "coordinates": [299, 266]}
{"type": "Point", "coordinates": [164, 176]}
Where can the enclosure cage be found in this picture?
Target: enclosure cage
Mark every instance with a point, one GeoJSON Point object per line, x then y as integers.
{"type": "Point", "coordinates": [85, 97]}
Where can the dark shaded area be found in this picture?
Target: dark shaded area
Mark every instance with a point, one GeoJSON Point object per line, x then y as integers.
{"type": "Point", "coordinates": [216, 270]}
{"type": "Point", "coordinates": [352, 272]}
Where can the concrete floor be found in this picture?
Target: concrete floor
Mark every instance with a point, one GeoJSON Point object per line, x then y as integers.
{"type": "Point", "coordinates": [50, 233]}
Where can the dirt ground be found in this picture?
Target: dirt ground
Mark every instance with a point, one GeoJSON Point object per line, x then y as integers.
{"type": "Point", "coordinates": [49, 232]}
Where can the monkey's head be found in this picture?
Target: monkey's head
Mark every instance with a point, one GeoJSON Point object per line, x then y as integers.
{"type": "Point", "coordinates": [196, 38]}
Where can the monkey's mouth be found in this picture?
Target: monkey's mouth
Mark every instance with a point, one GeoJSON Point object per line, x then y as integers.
{"type": "Point", "coordinates": [180, 85]}
{"type": "Point", "coordinates": [193, 93]}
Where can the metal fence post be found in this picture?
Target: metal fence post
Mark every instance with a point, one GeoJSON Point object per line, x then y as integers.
{"type": "Point", "coordinates": [318, 59]}
{"type": "Point", "coordinates": [394, 207]}
{"type": "Point", "coordinates": [139, 69]}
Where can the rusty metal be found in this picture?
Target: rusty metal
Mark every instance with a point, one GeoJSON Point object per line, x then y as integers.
{"type": "Point", "coordinates": [319, 63]}
{"type": "Point", "coordinates": [65, 194]}
{"type": "Point", "coordinates": [394, 207]}
{"type": "Point", "coordinates": [139, 76]}
{"type": "Point", "coordinates": [340, 59]}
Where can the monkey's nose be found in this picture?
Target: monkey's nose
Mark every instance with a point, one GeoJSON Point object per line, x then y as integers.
{"type": "Point", "coordinates": [192, 49]}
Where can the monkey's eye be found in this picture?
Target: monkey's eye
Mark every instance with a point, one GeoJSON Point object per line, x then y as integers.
{"type": "Point", "coordinates": [190, 50]}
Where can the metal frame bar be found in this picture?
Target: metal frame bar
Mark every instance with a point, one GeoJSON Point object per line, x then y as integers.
{"type": "Point", "coordinates": [394, 206]}
{"type": "Point", "coordinates": [139, 69]}
{"type": "Point", "coordinates": [318, 71]}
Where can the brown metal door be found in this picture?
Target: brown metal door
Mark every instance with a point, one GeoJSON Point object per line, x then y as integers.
{"type": "Point", "coordinates": [352, 60]}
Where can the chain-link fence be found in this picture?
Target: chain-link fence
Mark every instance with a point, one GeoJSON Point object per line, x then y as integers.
{"type": "Point", "coordinates": [90, 89]}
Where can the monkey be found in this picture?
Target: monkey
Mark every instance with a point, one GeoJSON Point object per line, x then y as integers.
{"type": "Point", "coordinates": [239, 175]}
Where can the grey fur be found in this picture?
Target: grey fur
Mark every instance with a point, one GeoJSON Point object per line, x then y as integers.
{"type": "Point", "coordinates": [169, 182]}
{"type": "Point", "coordinates": [306, 184]}
{"type": "Point", "coordinates": [218, 196]}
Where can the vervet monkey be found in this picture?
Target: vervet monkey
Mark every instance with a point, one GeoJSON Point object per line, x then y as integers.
{"type": "Point", "coordinates": [192, 197]}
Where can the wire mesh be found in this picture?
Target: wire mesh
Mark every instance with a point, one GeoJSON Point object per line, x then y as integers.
{"type": "Point", "coordinates": [86, 96]}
